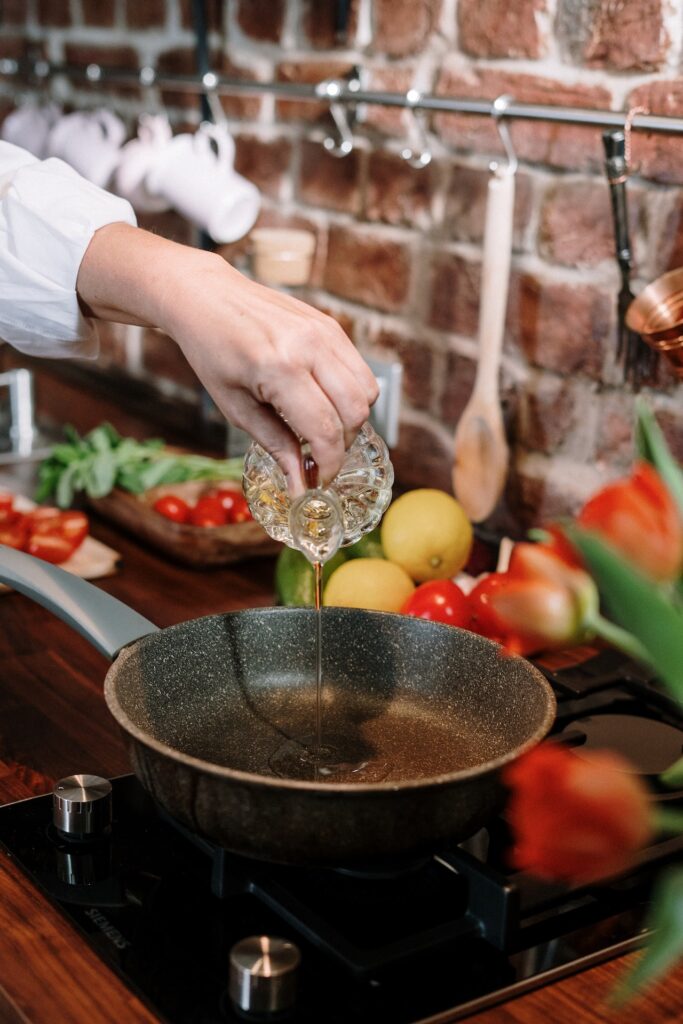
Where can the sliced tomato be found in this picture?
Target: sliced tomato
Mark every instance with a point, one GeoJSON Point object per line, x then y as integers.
{"type": "Point", "coordinates": [208, 512]}
{"type": "Point", "coordinates": [240, 512]}
{"type": "Point", "coordinates": [71, 525]}
{"type": "Point", "coordinates": [172, 507]}
{"type": "Point", "coordinates": [440, 601]}
{"type": "Point", "coordinates": [51, 547]}
{"type": "Point", "coordinates": [14, 535]}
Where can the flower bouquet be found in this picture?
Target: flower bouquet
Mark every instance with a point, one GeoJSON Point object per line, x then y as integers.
{"type": "Point", "coordinates": [615, 574]}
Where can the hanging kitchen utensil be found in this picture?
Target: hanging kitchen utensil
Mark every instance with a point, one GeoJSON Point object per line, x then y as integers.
{"type": "Point", "coordinates": [639, 361]}
{"type": "Point", "coordinates": [481, 455]}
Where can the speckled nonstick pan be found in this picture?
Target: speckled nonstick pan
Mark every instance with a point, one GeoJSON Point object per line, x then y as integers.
{"type": "Point", "coordinates": [205, 705]}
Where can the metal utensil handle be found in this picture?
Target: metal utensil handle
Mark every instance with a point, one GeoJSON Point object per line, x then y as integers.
{"type": "Point", "coordinates": [106, 622]}
{"type": "Point", "coordinates": [614, 143]}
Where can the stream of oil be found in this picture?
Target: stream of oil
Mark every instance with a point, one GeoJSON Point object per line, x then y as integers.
{"type": "Point", "coordinates": [308, 758]}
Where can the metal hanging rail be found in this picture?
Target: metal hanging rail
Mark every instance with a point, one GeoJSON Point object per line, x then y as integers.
{"type": "Point", "coordinates": [336, 91]}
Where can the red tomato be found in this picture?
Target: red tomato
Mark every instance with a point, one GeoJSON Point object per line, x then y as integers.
{"type": "Point", "coordinates": [483, 619]}
{"type": "Point", "coordinates": [74, 526]}
{"type": "Point", "coordinates": [239, 513]}
{"type": "Point", "coordinates": [172, 507]}
{"type": "Point", "coordinates": [43, 513]}
{"type": "Point", "coordinates": [208, 512]}
{"type": "Point", "coordinates": [8, 513]}
{"type": "Point", "coordinates": [227, 497]}
{"type": "Point", "coordinates": [14, 535]}
{"type": "Point", "coordinates": [440, 601]}
{"type": "Point", "coordinates": [51, 547]}
{"type": "Point", "coordinates": [6, 500]}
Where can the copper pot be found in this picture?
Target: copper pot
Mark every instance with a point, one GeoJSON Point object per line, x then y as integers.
{"type": "Point", "coordinates": [657, 316]}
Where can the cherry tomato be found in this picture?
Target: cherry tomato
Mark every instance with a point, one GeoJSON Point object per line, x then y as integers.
{"type": "Point", "coordinates": [14, 535]}
{"type": "Point", "coordinates": [172, 507]}
{"type": "Point", "coordinates": [227, 497]}
{"type": "Point", "coordinates": [483, 619]}
{"type": "Point", "coordinates": [240, 512]}
{"type": "Point", "coordinates": [208, 512]}
{"type": "Point", "coordinates": [51, 547]}
{"type": "Point", "coordinates": [439, 601]}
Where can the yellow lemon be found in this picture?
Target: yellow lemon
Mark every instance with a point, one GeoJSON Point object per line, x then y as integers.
{"type": "Point", "coordinates": [369, 583]}
{"type": "Point", "coordinates": [427, 533]}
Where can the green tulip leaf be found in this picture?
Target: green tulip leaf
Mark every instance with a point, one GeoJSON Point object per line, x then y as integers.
{"type": "Point", "coordinates": [651, 446]}
{"type": "Point", "coordinates": [673, 776]}
{"type": "Point", "coordinates": [666, 944]}
{"type": "Point", "coordinates": [638, 605]}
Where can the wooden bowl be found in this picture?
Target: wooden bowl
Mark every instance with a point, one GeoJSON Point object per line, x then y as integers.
{"type": "Point", "coordinates": [196, 546]}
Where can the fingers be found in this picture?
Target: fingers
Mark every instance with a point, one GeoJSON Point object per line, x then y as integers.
{"type": "Point", "coordinates": [271, 432]}
{"type": "Point", "coordinates": [340, 386]}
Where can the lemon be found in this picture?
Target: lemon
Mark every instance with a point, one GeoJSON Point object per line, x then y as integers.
{"type": "Point", "coordinates": [369, 546]}
{"type": "Point", "coordinates": [369, 583]}
{"type": "Point", "coordinates": [294, 577]}
{"type": "Point", "coordinates": [427, 533]}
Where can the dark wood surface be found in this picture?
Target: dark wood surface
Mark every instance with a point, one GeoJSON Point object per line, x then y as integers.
{"type": "Point", "coordinates": [53, 721]}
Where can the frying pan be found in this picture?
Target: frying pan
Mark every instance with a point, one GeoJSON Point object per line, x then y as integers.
{"type": "Point", "coordinates": [206, 705]}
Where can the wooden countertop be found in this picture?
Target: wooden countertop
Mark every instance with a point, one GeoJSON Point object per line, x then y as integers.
{"type": "Point", "coordinates": [53, 721]}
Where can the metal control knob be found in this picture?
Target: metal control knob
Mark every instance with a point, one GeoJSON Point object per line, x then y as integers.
{"type": "Point", "coordinates": [263, 972]}
{"type": "Point", "coordinates": [81, 806]}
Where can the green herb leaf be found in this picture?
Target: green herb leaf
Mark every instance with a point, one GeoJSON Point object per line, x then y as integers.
{"type": "Point", "coordinates": [638, 605]}
{"type": "Point", "coordinates": [666, 944]}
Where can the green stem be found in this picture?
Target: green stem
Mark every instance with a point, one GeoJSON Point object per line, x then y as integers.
{"type": "Point", "coordinates": [619, 638]}
{"type": "Point", "coordinates": [666, 819]}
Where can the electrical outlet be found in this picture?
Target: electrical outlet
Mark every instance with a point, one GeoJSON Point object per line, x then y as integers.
{"type": "Point", "coordinates": [384, 414]}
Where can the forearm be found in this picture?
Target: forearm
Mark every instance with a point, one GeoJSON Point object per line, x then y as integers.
{"type": "Point", "coordinates": [128, 275]}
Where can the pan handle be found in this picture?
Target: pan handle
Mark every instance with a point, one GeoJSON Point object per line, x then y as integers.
{"type": "Point", "coordinates": [105, 621]}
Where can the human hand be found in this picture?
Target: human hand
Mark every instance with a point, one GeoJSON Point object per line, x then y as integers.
{"type": "Point", "coordinates": [275, 367]}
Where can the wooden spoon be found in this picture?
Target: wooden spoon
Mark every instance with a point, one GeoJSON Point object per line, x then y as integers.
{"type": "Point", "coordinates": [480, 459]}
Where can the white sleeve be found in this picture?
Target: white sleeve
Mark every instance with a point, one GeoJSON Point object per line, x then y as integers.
{"type": "Point", "coordinates": [48, 215]}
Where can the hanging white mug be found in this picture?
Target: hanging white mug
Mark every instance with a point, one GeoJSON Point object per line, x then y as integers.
{"type": "Point", "coordinates": [195, 174]}
{"type": "Point", "coordinates": [90, 143]}
{"type": "Point", "coordinates": [29, 126]}
{"type": "Point", "coordinates": [137, 159]}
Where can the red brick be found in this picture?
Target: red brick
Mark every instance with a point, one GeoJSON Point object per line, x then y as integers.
{"type": "Point", "coordinates": [458, 383]}
{"type": "Point", "coordinates": [329, 181]}
{"type": "Point", "coordinates": [559, 326]}
{"type": "Point", "coordinates": [628, 36]}
{"type": "Point", "coordinates": [657, 156]}
{"type": "Point", "coordinates": [397, 193]}
{"type": "Point", "coordinates": [455, 284]}
{"type": "Point", "coordinates": [535, 499]}
{"type": "Point", "coordinates": [245, 106]}
{"type": "Point", "coordinates": [182, 60]}
{"type": "Point", "coordinates": [549, 413]}
{"type": "Point", "coordinates": [13, 12]}
{"type": "Point", "coordinates": [82, 54]}
{"type": "Point", "coordinates": [423, 456]}
{"type": "Point", "coordinates": [389, 120]}
{"type": "Point", "coordinates": [213, 8]}
{"type": "Point", "coordinates": [309, 73]}
{"type": "Point", "coordinates": [318, 22]}
{"type": "Point", "coordinates": [576, 223]}
{"type": "Point", "coordinates": [417, 360]}
{"type": "Point", "coordinates": [149, 14]}
{"type": "Point", "coordinates": [95, 12]}
{"type": "Point", "coordinates": [560, 145]}
{"type": "Point", "coordinates": [368, 268]}
{"type": "Point", "coordinates": [261, 19]}
{"type": "Point", "coordinates": [402, 27]}
{"type": "Point", "coordinates": [264, 163]}
{"type": "Point", "coordinates": [162, 358]}
{"type": "Point", "coordinates": [496, 28]}
{"type": "Point", "coordinates": [466, 205]}
{"type": "Point", "coordinates": [12, 47]}
{"type": "Point", "coordinates": [615, 429]}
{"type": "Point", "coordinates": [54, 13]}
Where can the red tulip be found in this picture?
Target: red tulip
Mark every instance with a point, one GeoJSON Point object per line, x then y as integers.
{"type": "Point", "coordinates": [540, 604]}
{"type": "Point", "coordinates": [575, 818]}
{"type": "Point", "coordinates": [639, 517]}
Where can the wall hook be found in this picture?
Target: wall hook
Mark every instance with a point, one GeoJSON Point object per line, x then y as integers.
{"type": "Point", "coordinates": [417, 153]}
{"type": "Point", "coordinates": [498, 110]}
{"type": "Point", "coordinates": [344, 119]}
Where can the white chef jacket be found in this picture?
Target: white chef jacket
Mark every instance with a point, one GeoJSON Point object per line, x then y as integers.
{"type": "Point", "coordinates": [48, 214]}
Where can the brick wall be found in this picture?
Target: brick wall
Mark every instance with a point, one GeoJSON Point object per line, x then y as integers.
{"type": "Point", "coordinates": [399, 249]}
